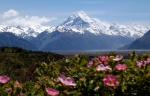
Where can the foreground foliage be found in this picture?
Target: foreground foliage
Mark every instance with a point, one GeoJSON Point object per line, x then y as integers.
{"type": "Point", "coordinates": [20, 63]}
{"type": "Point", "coordinates": [107, 75]}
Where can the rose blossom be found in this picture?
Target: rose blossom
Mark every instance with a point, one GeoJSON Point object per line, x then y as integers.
{"type": "Point", "coordinates": [106, 63]}
{"type": "Point", "coordinates": [147, 61]}
{"type": "Point", "coordinates": [51, 91]}
{"type": "Point", "coordinates": [66, 80]}
{"type": "Point", "coordinates": [103, 58]}
{"type": "Point", "coordinates": [4, 79]}
{"type": "Point", "coordinates": [96, 60]}
{"type": "Point", "coordinates": [16, 84]}
{"type": "Point", "coordinates": [118, 58]}
{"type": "Point", "coordinates": [139, 63]}
{"type": "Point", "coordinates": [121, 66]}
{"type": "Point", "coordinates": [90, 63]}
{"type": "Point", "coordinates": [20, 94]}
{"type": "Point", "coordinates": [110, 80]}
{"type": "Point", "coordinates": [8, 89]}
{"type": "Point", "coordinates": [102, 67]}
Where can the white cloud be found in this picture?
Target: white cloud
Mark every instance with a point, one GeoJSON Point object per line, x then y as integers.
{"type": "Point", "coordinates": [13, 18]}
{"type": "Point", "coordinates": [28, 21]}
{"type": "Point", "coordinates": [10, 13]}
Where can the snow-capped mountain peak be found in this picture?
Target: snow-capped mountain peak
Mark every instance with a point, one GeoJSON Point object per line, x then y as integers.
{"type": "Point", "coordinates": [23, 31]}
{"type": "Point", "coordinates": [50, 29]}
{"type": "Point", "coordinates": [79, 22]}
{"type": "Point", "coordinates": [81, 15]}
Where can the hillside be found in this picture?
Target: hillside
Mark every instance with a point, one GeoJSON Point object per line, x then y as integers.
{"type": "Point", "coordinates": [20, 63]}
{"type": "Point", "coordinates": [11, 40]}
{"type": "Point", "coordinates": [141, 43]}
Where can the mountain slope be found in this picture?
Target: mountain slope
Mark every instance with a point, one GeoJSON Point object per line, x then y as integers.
{"type": "Point", "coordinates": [76, 41]}
{"type": "Point", "coordinates": [9, 39]}
{"type": "Point", "coordinates": [25, 32]}
{"type": "Point", "coordinates": [80, 32]}
{"type": "Point", "coordinates": [141, 43]}
{"type": "Point", "coordinates": [80, 22]}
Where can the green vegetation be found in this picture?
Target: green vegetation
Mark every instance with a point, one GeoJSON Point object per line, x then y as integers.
{"type": "Point", "coordinates": [27, 73]}
{"type": "Point", "coordinates": [20, 64]}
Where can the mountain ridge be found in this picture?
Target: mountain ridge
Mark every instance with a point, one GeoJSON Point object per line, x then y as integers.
{"type": "Point", "coordinates": [140, 43]}
{"type": "Point", "coordinates": [11, 40]}
{"type": "Point", "coordinates": [80, 22]}
{"type": "Point", "coordinates": [79, 32]}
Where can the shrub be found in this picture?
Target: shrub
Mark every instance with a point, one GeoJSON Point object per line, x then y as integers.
{"type": "Point", "coordinates": [109, 75]}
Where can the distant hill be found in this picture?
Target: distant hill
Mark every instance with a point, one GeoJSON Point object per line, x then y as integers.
{"type": "Point", "coordinates": [11, 40]}
{"type": "Point", "coordinates": [141, 43]}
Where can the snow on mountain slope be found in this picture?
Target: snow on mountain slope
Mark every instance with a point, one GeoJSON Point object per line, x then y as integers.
{"type": "Point", "coordinates": [24, 32]}
{"type": "Point", "coordinates": [81, 23]}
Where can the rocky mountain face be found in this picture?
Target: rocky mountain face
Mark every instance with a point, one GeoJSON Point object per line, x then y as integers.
{"type": "Point", "coordinates": [79, 32]}
{"type": "Point", "coordinates": [10, 40]}
{"type": "Point", "coordinates": [25, 32]}
{"type": "Point", "coordinates": [140, 44]}
{"type": "Point", "coordinates": [79, 22]}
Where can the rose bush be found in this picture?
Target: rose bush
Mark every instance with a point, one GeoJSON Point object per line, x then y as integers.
{"type": "Point", "coordinates": [108, 75]}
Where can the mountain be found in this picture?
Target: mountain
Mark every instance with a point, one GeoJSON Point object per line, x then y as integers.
{"type": "Point", "coordinates": [25, 32]}
{"type": "Point", "coordinates": [80, 32]}
{"type": "Point", "coordinates": [79, 22]}
{"type": "Point", "coordinates": [141, 43]}
{"type": "Point", "coordinates": [58, 41]}
{"type": "Point", "coordinates": [9, 39]}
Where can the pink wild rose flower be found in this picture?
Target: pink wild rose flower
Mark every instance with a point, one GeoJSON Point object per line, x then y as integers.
{"type": "Point", "coordinates": [20, 94]}
{"type": "Point", "coordinates": [110, 80]}
{"type": "Point", "coordinates": [4, 79]}
{"type": "Point", "coordinates": [147, 61]}
{"type": "Point", "coordinates": [8, 89]}
{"type": "Point", "coordinates": [51, 91]}
{"type": "Point", "coordinates": [121, 66]}
{"type": "Point", "coordinates": [16, 84]}
{"type": "Point", "coordinates": [66, 80]}
{"type": "Point", "coordinates": [90, 63]}
{"type": "Point", "coordinates": [118, 58]}
{"type": "Point", "coordinates": [106, 63]}
{"type": "Point", "coordinates": [139, 63]}
{"type": "Point", "coordinates": [103, 58]}
{"type": "Point", "coordinates": [96, 60]}
{"type": "Point", "coordinates": [101, 67]}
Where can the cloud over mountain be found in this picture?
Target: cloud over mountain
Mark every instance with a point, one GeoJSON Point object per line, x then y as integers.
{"type": "Point", "coordinates": [28, 21]}
{"type": "Point", "coordinates": [10, 13]}
{"type": "Point", "coordinates": [23, 20]}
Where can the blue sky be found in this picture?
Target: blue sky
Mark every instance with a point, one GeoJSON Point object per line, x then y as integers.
{"type": "Point", "coordinates": [52, 12]}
